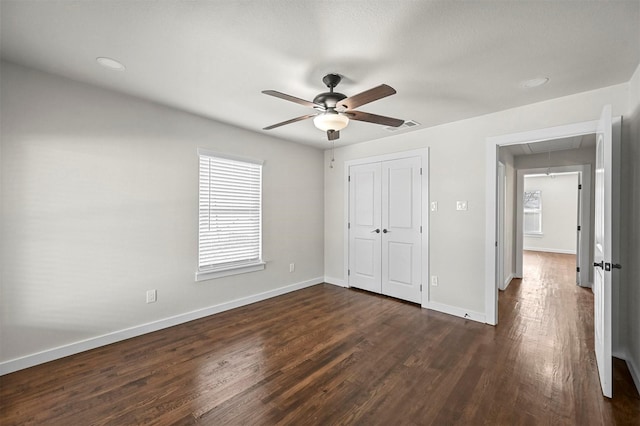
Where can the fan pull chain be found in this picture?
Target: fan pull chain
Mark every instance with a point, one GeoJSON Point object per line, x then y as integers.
{"type": "Point", "coordinates": [333, 144]}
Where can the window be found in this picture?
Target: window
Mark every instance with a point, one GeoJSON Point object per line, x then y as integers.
{"type": "Point", "coordinates": [532, 204]}
{"type": "Point", "coordinates": [230, 216]}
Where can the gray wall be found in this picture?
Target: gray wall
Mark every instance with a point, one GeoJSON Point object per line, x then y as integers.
{"type": "Point", "coordinates": [630, 229]}
{"type": "Point", "coordinates": [99, 204]}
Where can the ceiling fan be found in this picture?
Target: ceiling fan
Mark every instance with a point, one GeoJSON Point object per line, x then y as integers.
{"type": "Point", "coordinates": [334, 110]}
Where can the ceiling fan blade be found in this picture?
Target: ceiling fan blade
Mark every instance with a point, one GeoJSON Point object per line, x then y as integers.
{"type": "Point", "coordinates": [367, 96]}
{"type": "Point", "coordinates": [293, 120]}
{"type": "Point", "coordinates": [333, 135]}
{"type": "Point", "coordinates": [292, 99]}
{"type": "Point", "coordinates": [374, 118]}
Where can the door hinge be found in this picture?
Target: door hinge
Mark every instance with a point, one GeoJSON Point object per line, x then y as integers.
{"type": "Point", "coordinates": [578, 269]}
{"type": "Point", "coordinates": [349, 178]}
{"type": "Point", "coordinates": [348, 225]}
{"type": "Point", "coordinates": [496, 244]}
{"type": "Point", "coordinates": [420, 287]}
{"type": "Point", "coordinates": [579, 228]}
{"type": "Point", "coordinates": [421, 170]}
{"type": "Point", "coordinates": [579, 186]}
{"type": "Point", "coordinates": [348, 272]}
{"type": "Point", "coordinates": [421, 229]}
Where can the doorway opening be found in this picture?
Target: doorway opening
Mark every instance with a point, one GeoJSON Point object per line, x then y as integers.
{"type": "Point", "coordinates": [606, 228]}
{"type": "Point", "coordinates": [532, 150]}
{"type": "Point", "coordinates": [552, 219]}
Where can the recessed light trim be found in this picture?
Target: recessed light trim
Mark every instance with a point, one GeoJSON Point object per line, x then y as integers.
{"type": "Point", "coordinates": [111, 64]}
{"type": "Point", "coordinates": [534, 82]}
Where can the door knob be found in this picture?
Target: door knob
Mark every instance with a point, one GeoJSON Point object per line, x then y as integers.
{"type": "Point", "coordinates": [377, 230]}
{"type": "Point", "coordinates": [599, 264]}
{"type": "Point", "coordinates": [385, 231]}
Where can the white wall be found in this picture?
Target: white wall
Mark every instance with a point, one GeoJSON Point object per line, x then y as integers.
{"type": "Point", "coordinates": [99, 204]}
{"type": "Point", "coordinates": [630, 230]}
{"type": "Point", "coordinates": [457, 172]}
{"type": "Point", "coordinates": [559, 213]}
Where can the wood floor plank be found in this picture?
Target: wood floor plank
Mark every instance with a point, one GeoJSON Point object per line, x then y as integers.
{"type": "Point", "coordinates": [328, 355]}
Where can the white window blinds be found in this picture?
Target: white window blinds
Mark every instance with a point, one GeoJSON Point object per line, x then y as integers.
{"type": "Point", "coordinates": [230, 210]}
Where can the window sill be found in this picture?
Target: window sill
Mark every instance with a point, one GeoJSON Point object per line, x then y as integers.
{"type": "Point", "coordinates": [534, 234]}
{"type": "Point", "coordinates": [232, 270]}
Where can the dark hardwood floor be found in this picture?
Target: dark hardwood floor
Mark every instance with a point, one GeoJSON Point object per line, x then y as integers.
{"type": "Point", "coordinates": [327, 355]}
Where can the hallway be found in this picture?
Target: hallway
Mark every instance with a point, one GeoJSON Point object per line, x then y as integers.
{"type": "Point", "coordinates": [551, 320]}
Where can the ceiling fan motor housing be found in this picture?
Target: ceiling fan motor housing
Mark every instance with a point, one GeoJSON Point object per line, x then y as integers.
{"type": "Point", "coordinates": [329, 99]}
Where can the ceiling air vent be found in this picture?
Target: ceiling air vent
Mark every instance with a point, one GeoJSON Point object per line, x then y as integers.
{"type": "Point", "coordinates": [407, 124]}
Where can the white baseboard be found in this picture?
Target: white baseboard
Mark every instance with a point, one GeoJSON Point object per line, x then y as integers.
{"type": "Point", "coordinates": [620, 354]}
{"type": "Point", "coordinates": [634, 370]}
{"type": "Point", "coordinates": [27, 361]}
{"type": "Point", "coordinates": [458, 312]}
{"type": "Point", "coordinates": [550, 250]}
{"type": "Point", "coordinates": [336, 281]}
{"type": "Point", "coordinates": [623, 353]}
{"type": "Point", "coordinates": [508, 281]}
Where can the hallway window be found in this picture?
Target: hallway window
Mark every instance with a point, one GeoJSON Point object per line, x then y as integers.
{"type": "Point", "coordinates": [532, 204]}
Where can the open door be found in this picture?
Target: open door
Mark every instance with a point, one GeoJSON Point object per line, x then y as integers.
{"type": "Point", "coordinates": [606, 243]}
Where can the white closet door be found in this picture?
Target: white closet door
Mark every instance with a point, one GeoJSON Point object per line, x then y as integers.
{"type": "Point", "coordinates": [365, 232]}
{"type": "Point", "coordinates": [385, 228]}
{"type": "Point", "coordinates": [401, 223]}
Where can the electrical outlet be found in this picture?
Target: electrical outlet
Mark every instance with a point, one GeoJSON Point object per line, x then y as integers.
{"type": "Point", "coordinates": [292, 267]}
{"type": "Point", "coordinates": [434, 206]}
{"type": "Point", "coordinates": [152, 296]}
{"type": "Point", "coordinates": [461, 205]}
{"type": "Point", "coordinates": [434, 280]}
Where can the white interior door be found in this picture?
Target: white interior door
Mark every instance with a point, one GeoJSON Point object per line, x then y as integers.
{"type": "Point", "coordinates": [385, 244]}
{"type": "Point", "coordinates": [401, 229]}
{"type": "Point", "coordinates": [365, 227]}
{"type": "Point", "coordinates": [605, 247]}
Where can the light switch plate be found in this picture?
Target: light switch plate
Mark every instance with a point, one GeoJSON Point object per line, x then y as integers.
{"type": "Point", "coordinates": [434, 206]}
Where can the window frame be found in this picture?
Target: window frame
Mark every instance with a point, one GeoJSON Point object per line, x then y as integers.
{"type": "Point", "coordinates": [235, 267]}
{"type": "Point", "coordinates": [537, 210]}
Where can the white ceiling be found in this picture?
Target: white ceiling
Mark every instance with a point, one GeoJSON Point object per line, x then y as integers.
{"type": "Point", "coordinates": [447, 60]}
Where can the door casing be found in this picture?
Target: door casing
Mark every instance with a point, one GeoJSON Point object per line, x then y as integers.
{"type": "Point", "coordinates": [491, 174]}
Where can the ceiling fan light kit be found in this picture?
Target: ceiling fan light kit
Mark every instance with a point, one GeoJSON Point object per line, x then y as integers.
{"type": "Point", "coordinates": [330, 120]}
{"type": "Point", "coordinates": [334, 110]}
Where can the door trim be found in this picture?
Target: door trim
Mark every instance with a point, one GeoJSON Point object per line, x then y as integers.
{"type": "Point", "coordinates": [424, 154]}
{"type": "Point", "coordinates": [491, 184]}
{"type": "Point", "coordinates": [501, 188]}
